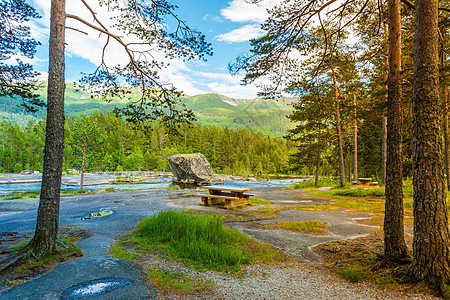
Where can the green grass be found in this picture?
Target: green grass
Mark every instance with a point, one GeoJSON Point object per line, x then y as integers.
{"type": "Point", "coordinates": [308, 184]}
{"type": "Point", "coordinates": [173, 187]}
{"type": "Point", "coordinates": [177, 281]}
{"type": "Point", "coordinates": [13, 196]}
{"type": "Point", "coordinates": [256, 201]}
{"type": "Point", "coordinates": [352, 273]}
{"type": "Point", "coordinates": [358, 192]}
{"type": "Point", "coordinates": [198, 238]}
{"type": "Point", "coordinates": [304, 226]}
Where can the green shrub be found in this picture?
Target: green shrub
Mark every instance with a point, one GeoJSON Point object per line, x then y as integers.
{"type": "Point", "coordinates": [32, 196]}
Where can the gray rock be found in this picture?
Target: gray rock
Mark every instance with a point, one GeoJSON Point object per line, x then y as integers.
{"type": "Point", "coordinates": [192, 168]}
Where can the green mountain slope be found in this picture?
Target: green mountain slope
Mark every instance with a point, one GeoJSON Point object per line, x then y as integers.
{"type": "Point", "coordinates": [266, 116]}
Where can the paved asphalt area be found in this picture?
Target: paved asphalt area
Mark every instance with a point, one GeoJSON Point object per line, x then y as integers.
{"type": "Point", "coordinates": [129, 208]}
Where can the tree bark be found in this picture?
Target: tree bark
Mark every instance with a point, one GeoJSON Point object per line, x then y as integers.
{"type": "Point", "coordinates": [445, 112]}
{"type": "Point", "coordinates": [44, 240]}
{"type": "Point", "coordinates": [431, 235]}
{"type": "Point", "coordinates": [319, 149]}
{"type": "Point", "coordinates": [446, 137]}
{"type": "Point", "coordinates": [394, 240]}
{"type": "Point", "coordinates": [83, 164]}
{"type": "Point", "coordinates": [384, 123]}
{"type": "Point", "coordinates": [338, 130]}
{"type": "Point", "coordinates": [355, 141]}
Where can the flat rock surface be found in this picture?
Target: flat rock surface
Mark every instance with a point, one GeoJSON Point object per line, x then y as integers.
{"type": "Point", "coordinates": [277, 282]}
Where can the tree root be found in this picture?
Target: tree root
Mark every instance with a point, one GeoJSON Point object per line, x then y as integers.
{"type": "Point", "coordinates": [13, 259]}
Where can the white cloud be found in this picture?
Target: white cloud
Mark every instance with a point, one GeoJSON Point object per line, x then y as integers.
{"type": "Point", "coordinates": [242, 34]}
{"type": "Point", "coordinates": [233, 90]}
{"type": "Point", "coordinates": [242, 11]}
{"type": "Point", "coordinates": [182, 75]}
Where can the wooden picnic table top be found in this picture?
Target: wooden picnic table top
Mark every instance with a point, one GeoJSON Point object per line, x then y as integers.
{"type": "Point", "coordinates": [226, 188]}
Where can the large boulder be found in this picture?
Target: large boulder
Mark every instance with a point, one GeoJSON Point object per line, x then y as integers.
{"type": "Point", "coordinates": [191, 168]}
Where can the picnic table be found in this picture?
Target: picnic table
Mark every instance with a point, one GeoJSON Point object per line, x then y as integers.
{"type": "Point", "coordinates": [365, 181]}
{"type": "Point", "coordinates": [227, 196]}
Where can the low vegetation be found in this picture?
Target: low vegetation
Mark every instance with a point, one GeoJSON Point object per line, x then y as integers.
{"type": "Point", "coordinates": [27, 267]}
{"type": "Point", "coordinates": [309, 184]}
{"type": "Point", "coordinates": [177, 281]}
{"type": "Point", "coordinates": [198, 240]}
{"type": "Point", "coordinates": [310, 226]}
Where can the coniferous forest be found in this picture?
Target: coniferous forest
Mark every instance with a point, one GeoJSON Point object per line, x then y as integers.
{"type": "Point", "coordinates": [109, 143]}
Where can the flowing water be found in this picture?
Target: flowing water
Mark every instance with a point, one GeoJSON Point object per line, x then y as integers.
{"type": "Point", "coordinates": [33, 189]}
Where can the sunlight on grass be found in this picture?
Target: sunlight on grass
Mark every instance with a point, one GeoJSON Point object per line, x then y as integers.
{"type": "Point", "coordinates": [309, 184]}
{"type": "Point", "coordinates": [256, 201]}
{"type": "Point", "coordinates": [197, 239]}
{"type": "Point", "coordinates": [177, 281]}
{"type": "Point", "coordinates": [310, 226]}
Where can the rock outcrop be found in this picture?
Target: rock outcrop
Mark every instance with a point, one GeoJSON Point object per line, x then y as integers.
{"type": "Point", "coordinates": [191, 168]}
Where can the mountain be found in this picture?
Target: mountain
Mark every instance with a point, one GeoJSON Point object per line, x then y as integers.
{"type": "Point", "coordinates": [266, 116]}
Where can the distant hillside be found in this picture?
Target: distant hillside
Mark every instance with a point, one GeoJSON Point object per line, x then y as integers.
{"type": "Point", "coordinates": [266, 116]}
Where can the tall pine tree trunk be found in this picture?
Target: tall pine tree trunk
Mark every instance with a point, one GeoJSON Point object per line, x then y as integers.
{"type": "Point", "coordinates": [445, 107]}
{"type": "Point", "coordinates": [446, 137]}
{"type": "Point", "coordinates": [431, 244]}
{"type": "Point", "coordinates": [355, 141]}
{"type": "Point", "coordinates": [384, 123]}
{"type": "Point", "coordinates": [44, 239]}
{"type": "Point", "coordinates": [394, 240]}
{"type": "Point", "coordinates": [319, 149]}
{"type": "Point", "coordinates": [338, 130]}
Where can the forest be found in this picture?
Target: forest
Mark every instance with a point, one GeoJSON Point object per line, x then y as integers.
{"type": "Point", "coordinates": [109, 143]}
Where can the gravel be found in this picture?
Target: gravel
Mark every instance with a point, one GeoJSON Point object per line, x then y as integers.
{"type": "Point", "coordinates": [298, 280]}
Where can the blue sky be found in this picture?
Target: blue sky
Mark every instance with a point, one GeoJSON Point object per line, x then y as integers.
{"type": "Point", "coordinates": [228, 25]}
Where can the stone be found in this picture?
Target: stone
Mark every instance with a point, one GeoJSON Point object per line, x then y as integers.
{"type": "Point", "coordinates": [191, 168]}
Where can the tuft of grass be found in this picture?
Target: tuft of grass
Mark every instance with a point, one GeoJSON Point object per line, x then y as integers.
{"type": "Point", "coordinates": [81, 192]}
{"type": "Point", "coordinates": [309, 184]}
{"type": "Point", "coordinates": [304, 226]}
{"type": "Point", "coordinates": [13, 196]}
{"type": "Point", "coordinates": [32, 196]}
{"type": "Point", "coordinates": [109, 190]}
{"type": "Point", "coordinates": [198, 238]}
{"type": "Point", "coordinates": [256, 201]}
{"type": "Point", "coordinates": [358, 192]}
{"type": "Point", "coordinates": [177, 281]}
{"type": "Point", "coordinates": [352, 273]}
{"type": "Point", "coordinates": [173, 187]}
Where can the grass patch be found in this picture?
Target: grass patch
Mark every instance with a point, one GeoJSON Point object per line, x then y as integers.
{"type": "Point", "coordinates": [358, 192]}
{"type": "Point", "coordinates": [258, 201]}
{"type": "Point", "coordinates": [309, 184]}
{"type": "Point", "coordinates": [198, 240]}
{"type": "Point", "coordinates": [304, 226]}
{"type": "Point", "coordinates": [353, 273]}
{"type": "Point", "coordinates": [310, 226]}
{"type": "Point", "coordinates": [13, 196]}
{"type": "Point", "coordinates": [177, 281]}
{"type": "Point", "coordinates": [173, 187]}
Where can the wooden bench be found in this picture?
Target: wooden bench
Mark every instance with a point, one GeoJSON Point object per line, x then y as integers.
{"type": "Point", "coordinates": [228, 197]}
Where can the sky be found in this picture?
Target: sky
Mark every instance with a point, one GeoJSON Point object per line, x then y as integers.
{"type": "Point", "coordinates": [227, 25]}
